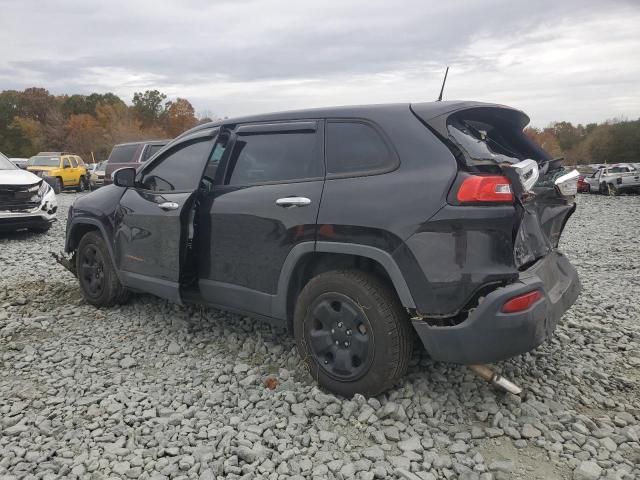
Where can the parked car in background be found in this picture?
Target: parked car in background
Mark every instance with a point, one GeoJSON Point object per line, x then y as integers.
{"type": "Point", "coordinates": [584, 171]}
{"type": "Point", "coordinates": [20, 162]}
{"type": "Point", "coordinates": [60, 170]}
{"type": "Point", "coordinates": [26, 200]}
{"type": "Point", "coordinates": [358, 228]}
{"type": "Point", "coordinates": [614, 179]}
{"type": "Point", "coordinates": [130, 154]}
{"type": "Point", "coordinates": [96, 178]}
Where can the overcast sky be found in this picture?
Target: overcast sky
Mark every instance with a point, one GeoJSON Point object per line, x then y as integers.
{"type": "Point", "coordinates": [576, 60]}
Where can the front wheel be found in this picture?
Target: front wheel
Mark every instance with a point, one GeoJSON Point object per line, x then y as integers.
{"type": "Point", "coordinates": [352, 333]}
{"type": "Point", "coordinates": [612, 190]}
{"type": "Point", "coordinates": [98, 279]}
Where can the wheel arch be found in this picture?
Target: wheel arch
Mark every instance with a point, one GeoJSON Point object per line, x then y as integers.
{"type": "Point", "coordinates": [79, 228]}
{"type": "Point", "coordinates": [307, 260]}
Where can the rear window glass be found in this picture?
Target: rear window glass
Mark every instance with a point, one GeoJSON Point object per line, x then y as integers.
{"type": "Point", "coordinates": [123, 153]}
{"type": "Point", "coordinates": [486, 136]}
{"type": "Point", "coordinates": [619, 170]}
{"type": "Point", "coordinates": [355, 147]}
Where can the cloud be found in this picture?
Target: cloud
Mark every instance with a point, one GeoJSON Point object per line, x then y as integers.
{"type": "Point", "coordinates": [574, 60]}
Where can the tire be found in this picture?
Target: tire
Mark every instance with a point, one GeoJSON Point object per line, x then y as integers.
{"type": "Point", "coordinates": [372, 330]}
{"type": "Point", "coordinates": [57, 186]}
{"type": "Point", "coordinates": [98, 280]}
{"type": "Point", "coordinates": [81, 185]}
{"type": "Point", "coordinates": [612, 190]}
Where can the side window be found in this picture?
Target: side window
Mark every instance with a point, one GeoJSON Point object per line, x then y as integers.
{"type": "Point", "coordinates": [353, 147]}
{"type": "Point", "coordinates": [178, 169]}
{"type": "Point", "coordinates": [74, 162]}
{"type": "Point", "coordinates": [275, 157]}
{"type": "Point", "coordinates": [66, 163]}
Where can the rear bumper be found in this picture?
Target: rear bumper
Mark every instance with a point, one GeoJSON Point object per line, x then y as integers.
{"type": "Point", "coordinates": [488, 335]}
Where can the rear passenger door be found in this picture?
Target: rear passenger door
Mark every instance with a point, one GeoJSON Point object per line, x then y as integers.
{"type": "Point", "coordinates": [67, 171]}
{"type": "Point", "coordinates": [75, 170]}
{"type": "Point", "coordinates": [265, 202]}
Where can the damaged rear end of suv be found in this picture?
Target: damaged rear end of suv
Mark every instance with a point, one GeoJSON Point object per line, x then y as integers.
{"type": "Point", "coordinates": [505, 284]}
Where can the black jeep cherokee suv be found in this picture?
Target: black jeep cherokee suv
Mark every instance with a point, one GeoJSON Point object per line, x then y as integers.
{"type": "Point", "coordinates": [353, 226]}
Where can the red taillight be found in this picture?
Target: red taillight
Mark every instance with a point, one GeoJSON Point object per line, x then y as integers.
{"type": "Point", "coordinates": [521, 302]}
{"type": "Point", "coordinates": [485, 188]}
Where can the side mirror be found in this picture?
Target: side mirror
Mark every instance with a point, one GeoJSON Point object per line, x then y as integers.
{"type": "Point", "coordinates": [124, 177]}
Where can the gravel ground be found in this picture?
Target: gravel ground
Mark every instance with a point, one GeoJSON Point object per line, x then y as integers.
{"type": "Point", "coordinates": [153, 390]}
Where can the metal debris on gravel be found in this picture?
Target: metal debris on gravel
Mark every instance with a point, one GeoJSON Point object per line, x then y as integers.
{"type": "Point", "coordinates": [151, 390]}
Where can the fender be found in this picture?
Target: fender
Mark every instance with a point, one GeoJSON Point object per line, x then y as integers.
{"type": "Point", "coordinates": [96, 223]}
{"type": "Point", "coordinates": [279, 307]}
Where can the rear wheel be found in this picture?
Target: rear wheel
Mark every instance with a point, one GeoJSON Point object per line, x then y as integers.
{"type": "Point", "coordinates": [57, 185]}
{"type": "Point", "coordinates": [352, 333]}
{"type": "Point", "coordinates": [98, 280]}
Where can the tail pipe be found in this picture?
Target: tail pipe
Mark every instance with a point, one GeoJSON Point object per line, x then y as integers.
{"type": "Point", "coordinates": [494, 378]}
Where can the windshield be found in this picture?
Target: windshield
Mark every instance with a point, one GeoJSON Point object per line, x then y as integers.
{"type": "Point", "coordinates": [39, 161]}
{"type": "Point", "coordinates": [5, 164]}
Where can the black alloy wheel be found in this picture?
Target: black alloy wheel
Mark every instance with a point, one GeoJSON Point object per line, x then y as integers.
{"type": "Point", "coordinates": [352, 332]}
{"type": "Point", "coordinates": [99, 281]}
{"type": "Point", "coordinates": [91, 271]}
{"type": "Point", "coordinates": [340, 337]}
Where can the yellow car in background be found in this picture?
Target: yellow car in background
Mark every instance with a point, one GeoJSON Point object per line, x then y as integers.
{"type": "Point", "coordinates": [60, 170]}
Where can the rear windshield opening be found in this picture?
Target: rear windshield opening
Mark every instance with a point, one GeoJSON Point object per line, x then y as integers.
{"type": "Point", "coordinates": [490, 136]}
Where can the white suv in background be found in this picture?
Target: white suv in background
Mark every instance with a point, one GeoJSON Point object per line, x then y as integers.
{"type": "Point", "coordinates": [26, 201]}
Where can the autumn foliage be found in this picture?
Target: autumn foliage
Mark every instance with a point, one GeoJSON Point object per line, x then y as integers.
{"type": "Point", "coordinates": [614, 141]}
{"type": "Point", "coordinates": [33, 120]}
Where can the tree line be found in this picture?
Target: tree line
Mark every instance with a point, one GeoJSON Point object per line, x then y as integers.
{"type": "Point", "coordinates": [34, 120]}
{"type": "Point", "coordinates": [614, 141]}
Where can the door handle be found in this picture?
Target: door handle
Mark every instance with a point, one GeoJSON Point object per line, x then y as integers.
{"type": "Point", "coordinates": [169, 205]}
{"type": "Point", "coordinates": [288, 202]}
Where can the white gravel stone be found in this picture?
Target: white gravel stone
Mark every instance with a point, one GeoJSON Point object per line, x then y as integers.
{"type": "Point", "coordinates": [587, 471]}
{"type": "Point", "coordinates": [152, 390]}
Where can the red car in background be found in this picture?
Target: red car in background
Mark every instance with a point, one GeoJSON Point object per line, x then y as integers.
{"type": "Point", "coordinates": [585, 171]}
{"type": "Point", "coordinates": [583, 187]}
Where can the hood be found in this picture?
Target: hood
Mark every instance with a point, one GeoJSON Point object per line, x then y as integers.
{"type": "Point", "coordinates": [18, 177]}
{"type": "Point", "coordinates": [38, 168]}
